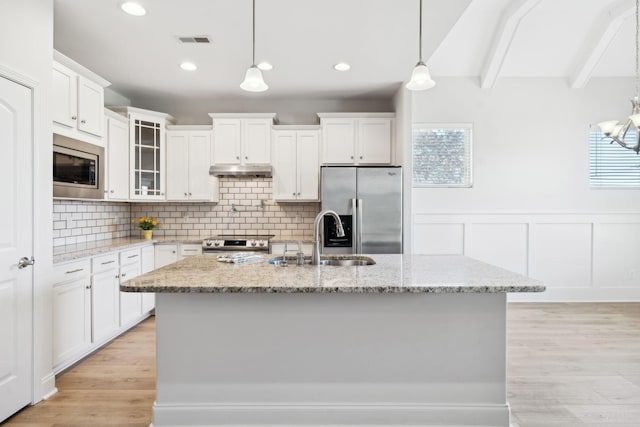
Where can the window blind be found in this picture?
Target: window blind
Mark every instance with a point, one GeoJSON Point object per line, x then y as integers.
{"type": "Point", "coordinates": [610, 165]}
{"type": "Point", "coordinates": [441, 155]}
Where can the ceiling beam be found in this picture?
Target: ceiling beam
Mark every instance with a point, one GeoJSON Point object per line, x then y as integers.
{"type": "Point", "coordinates": [594, 48]}
{"type": "Point", "coordinates": [505, 32]}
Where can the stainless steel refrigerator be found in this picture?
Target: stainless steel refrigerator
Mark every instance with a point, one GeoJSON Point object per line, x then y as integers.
{"type": "Point", "coordinates": [369, 202]}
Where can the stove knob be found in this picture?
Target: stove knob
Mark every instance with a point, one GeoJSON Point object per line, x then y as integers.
{"type": "Point", "coordinates": [208, 243]}
{"type": "Point", "coordinates": [217, 244]}
{"type": "Point", "coordinates": [253, 243]}
{"type": "Point", "coordinates": [261, 243]}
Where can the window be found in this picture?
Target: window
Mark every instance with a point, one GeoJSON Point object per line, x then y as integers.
{"type": "Point", "coordinates": [610, 165]}
{"type": "Point", "coordinates": [442, 155]}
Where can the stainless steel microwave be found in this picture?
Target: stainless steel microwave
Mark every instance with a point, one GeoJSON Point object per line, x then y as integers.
{"type": "Point", "coordinates": [78, 169]}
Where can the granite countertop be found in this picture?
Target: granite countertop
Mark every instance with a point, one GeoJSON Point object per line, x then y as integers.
{"type": "Point", "coordinates": [82, 250]}
{"type": "Point", "coordinates": [390, 274]}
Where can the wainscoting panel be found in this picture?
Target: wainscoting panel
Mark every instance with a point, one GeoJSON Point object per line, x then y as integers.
{"type": "Point", "coordinates": [579, 256]}
{"type": "Point", "coordinates": [616, 255]}
{"type": "Point", "coordinates": [504, 245]}
{"type": "Point", "coordinates": [439, 239]}
{"type": "Point", "coordinates": [561, 255]}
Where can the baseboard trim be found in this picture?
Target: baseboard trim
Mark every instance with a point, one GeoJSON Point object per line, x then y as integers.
{"type": "Point", "coordinates": [48, 382]}
{"type": "Point", "coordinates": [337, 415]}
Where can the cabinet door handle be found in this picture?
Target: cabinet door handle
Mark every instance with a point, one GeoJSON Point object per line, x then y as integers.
{"type": "Point", "coordinates": [132, 256]}
{"type": "Point", "coordinates": [74, 271]}
{"type": "Point", "coordinates": [73, 117]}
{"type": "Point", "coordinates": [246, 157]}
{"type": "Point", "coordinates": [185, 194]}
{"type": "Point", "coordinates": [173, 252]}
{"type": "Point", "coordinates": [112, 191]}
{"type": "Point", "coordinates": [88, 287]}
{"type": "Point", "coordinates": [237, 157]}
{"type": "Point", "coordinates": [360, 157]}
{"type": "Point", "coordinates": [108, 262]}
{"type": "Point", "coordinates": [294, 194]}
{"type": "Point", "coordinates": [83, 121]}
{"type": "Point", "coordinates": [189, 193]}
{"type": "Point", "coordinates": [351, 157]}
{"type": "Point", "coordinates": [123, 275]}
{"type": "Point", "coordinates": [298, 194]}
{"type": "Point", "coordinates": [117, 276]}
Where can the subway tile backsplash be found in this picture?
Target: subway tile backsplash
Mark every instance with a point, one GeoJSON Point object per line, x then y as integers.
{"type": "Point", "coordinates": [77, 221]}
{"type": "Point", "coordinates": [245, 207]}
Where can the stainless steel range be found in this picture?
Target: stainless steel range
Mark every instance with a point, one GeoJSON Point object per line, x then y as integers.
{"type": "Point", "coordinates": [227, 243]}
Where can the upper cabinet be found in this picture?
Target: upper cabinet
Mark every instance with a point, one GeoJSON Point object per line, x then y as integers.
{"type": "Point", "coordinates": [117, 156]}
{"type": "Point", "coordinates": [188, 161]}
{"type": "Point", "coordinates": [357, 138]}
{"type": "Point", "coordinates": [242, 138]}
{"type": "Point", "coordinates": [146, 152]}
{"type": "Point", "coordinates": [296, 163]}
{"type": "Point", "coordinates": [78, 100]}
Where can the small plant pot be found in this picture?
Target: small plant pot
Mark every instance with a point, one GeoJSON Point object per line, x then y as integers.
{"type": "Point", "coordinates": [148, 234]}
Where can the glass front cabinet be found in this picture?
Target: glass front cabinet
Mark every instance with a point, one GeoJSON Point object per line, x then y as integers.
{"type": "Point", "coordinates": [147, 155]}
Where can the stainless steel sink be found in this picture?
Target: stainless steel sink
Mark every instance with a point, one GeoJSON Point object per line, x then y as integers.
{"type": "Point", "coordinates": [330, 260]}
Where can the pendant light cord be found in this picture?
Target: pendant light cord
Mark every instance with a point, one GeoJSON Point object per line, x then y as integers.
{"type": "Point", "coordinates": [254, 34]}
{"type": "Point", "coordinates": [637, 48]}
{"type": "Point", "coordinates": [420, 34]}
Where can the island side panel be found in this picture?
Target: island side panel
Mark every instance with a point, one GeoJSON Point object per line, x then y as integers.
{"type": "Point", "coordinates": [388, 359]}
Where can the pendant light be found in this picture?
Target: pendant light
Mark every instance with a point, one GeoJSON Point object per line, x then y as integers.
{"type": "Point", "coordinates": [421, 77]}
{"type": "Point", "coordinates": [617, 131]}
{"type": "Point", "coordinates": [253, 81]}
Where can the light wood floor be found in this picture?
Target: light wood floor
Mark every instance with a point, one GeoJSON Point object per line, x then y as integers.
{"type": "Point", "coordinates": [569, 365]}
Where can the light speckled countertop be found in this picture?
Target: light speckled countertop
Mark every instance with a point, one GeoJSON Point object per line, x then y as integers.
{"type": "Point", "coordinates": [82, 250]}
{"type": "Point", "coordinates": [390, 274]}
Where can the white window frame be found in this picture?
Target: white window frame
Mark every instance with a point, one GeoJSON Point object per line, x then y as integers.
{"type": "Point", "coordinates": [468, 127]}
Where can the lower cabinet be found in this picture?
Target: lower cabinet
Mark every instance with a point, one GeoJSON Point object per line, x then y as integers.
{"type": "Point", "coordinates": [130, 302]}
{"type": "Point", "coordinates": [166, 254]}
{"type": "Point", "coordinates": [105, 304]}
{"type": "Point", "coordinates": [71, 310]}
{"type": "Point", "coordinates": [88, 307]}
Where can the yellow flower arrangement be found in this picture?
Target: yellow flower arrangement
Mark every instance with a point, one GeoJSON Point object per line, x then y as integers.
{"type": "Point", "coordinates": [147, 223]}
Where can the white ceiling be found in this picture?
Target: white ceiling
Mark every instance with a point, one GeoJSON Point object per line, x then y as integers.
{"type": "Point", "coordinates": [487, 39]}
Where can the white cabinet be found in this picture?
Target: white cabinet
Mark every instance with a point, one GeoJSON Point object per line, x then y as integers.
{"type": "Point", "coordinates": [78, 100]}
{"type": "Point", "coordinates": [190, 249]}
{"type": "Point", "coordinates": [105, 304]}
{"type": "Point", "coordinates": [242, 138]}
{"type": "Point", "coordinates": [117, 154]}
{"type": "Point", "coordinates": [188, 161]}
{"type": "Point", "coordinates": [71, 310]}
{"type": "Point", "coordinates": [166, 254]}
{"type": "Point", "coordinates": [357, 139]}
{"type": "Point", "coordinates": [130, 302]}
{"type": "Point", "coordinates": [296, 166]}
{"type": "Point", "coordinates": [147, 174]}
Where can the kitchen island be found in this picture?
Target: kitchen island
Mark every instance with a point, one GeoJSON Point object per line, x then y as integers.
{"type": "Point", "coordinates": [411, 340]}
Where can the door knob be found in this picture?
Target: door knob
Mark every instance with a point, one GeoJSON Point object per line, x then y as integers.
{"type": "Point", "coordinates": [25, 262]}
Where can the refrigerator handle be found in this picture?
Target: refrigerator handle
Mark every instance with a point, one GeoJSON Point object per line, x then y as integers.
{"type": "Point", "coordinates": [354, 227]}
{"type": "Point", "coordinates": [359, 226]}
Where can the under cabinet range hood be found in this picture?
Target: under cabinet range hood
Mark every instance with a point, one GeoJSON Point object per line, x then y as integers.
{"type": "Point", "coordinates": [262, 171]}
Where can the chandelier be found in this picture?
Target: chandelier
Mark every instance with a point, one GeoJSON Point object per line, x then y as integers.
{"type": "Point", "coordinates": [617, 131]}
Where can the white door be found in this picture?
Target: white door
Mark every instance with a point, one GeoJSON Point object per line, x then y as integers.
{"type": "Point", "coordinates": [64, 99]}
{"type": "Point", "coordinates": [308, 165]}
{"type": "Point", "coordinates": [117, 159]}
{"type": "Point", "coordinates": [16, 241]}
{"type": "Point", "coordinates": [338, 141]}
{"type": "Point", "coordinates": [256, 141]}
{"type": "Point", "coordinates": [284, 165]}
{"type": "Point", "coordinates": [226, 137]}
{"type": "Point", "coordinates": [177, 169]}
{"type": "Point", "coordinates": [374, 140]}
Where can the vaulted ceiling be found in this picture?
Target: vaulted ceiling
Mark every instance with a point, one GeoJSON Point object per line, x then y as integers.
{"type": "Point", "coordinates": [303, 39]}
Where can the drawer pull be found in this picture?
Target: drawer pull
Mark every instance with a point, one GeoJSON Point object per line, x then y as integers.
{"type": "Point", "coordinates": [74, 271]}
{"type": "Point", "coordinates": [107, 262]}
{"type": "Point", "coordinates": [190, 250]}
{"type": "Point", "coordinates": [123, 275]}
{"type": "Point", "coordinates": [132, 256]}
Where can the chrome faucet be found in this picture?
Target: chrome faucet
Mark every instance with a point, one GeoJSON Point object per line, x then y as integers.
{"type": "Point", "coordinates": [317, 244]}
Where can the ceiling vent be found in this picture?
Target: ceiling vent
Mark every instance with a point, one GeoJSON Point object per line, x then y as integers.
{"type": "Point", "coordinates": [194, 39]}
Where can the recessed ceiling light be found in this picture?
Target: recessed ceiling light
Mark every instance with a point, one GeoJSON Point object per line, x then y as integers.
{"type": "Point", "coordinates": [133, 8]}
{"type": "Point", "coordinates": [342, 66]}
{"type": "Point", "coordinates": [265, 66]}
{"type": "Point", "coordinates": [188, 66]}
